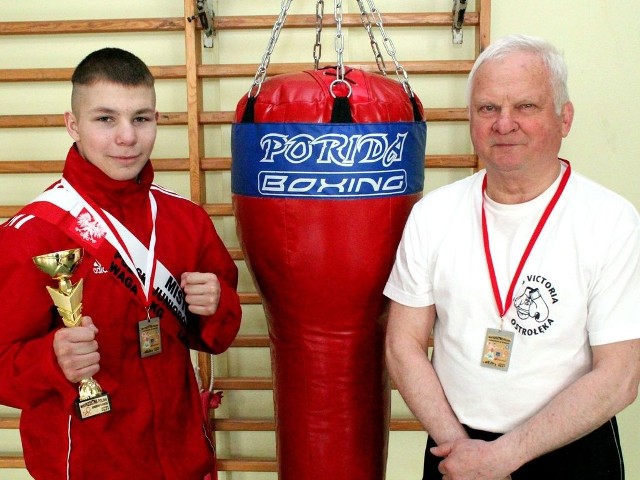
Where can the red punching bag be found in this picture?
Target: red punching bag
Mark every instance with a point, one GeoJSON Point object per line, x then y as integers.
{"type": "Point", "coordinates": [320, 209]}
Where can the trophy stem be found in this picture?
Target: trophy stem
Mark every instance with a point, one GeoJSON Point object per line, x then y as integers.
{"type": "Point", "coordinates": [65, 286]}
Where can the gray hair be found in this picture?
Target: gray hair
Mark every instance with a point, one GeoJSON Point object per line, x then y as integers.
{"type": "Point", "coordinates": [550, 56]}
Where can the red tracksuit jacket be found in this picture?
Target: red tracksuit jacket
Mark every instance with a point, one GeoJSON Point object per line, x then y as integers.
{"type": "Point", "coordinates": [156, 429]}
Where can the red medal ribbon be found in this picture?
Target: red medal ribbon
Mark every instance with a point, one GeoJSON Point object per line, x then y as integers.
{"type": "Point", "coordinates": [503, 307]}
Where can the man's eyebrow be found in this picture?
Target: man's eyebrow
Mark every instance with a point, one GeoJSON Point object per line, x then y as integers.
{"type": "Point", "coordinates": [112, 111]}
{"type": "Point", "coordinates": [144, 110]}
{"type": "Point", "coordinates": [103, 110]}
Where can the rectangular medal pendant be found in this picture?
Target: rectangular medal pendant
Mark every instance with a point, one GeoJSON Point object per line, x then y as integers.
{"type": "Point", "coordinates": [149, 336]}
{"type": "Point", "coordinates": [498, 345]}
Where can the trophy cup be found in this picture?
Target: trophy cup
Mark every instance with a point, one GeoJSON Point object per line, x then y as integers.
{"type": "Point", "coordinates": [68, 299]}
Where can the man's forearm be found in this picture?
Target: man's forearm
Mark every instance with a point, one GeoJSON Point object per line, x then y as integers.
{"type": "Point", "coordinates": [578, 410]}
{"type": "Point", "coordinates": [420, 388]}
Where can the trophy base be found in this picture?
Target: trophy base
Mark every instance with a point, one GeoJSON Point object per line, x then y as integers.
{"type": "Point", "coordinates": [93, 406]}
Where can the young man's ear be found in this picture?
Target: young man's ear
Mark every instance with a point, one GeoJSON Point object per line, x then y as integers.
{"type": "Point", "coordinates": [72, 125]}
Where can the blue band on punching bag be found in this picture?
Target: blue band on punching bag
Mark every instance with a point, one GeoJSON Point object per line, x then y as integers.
{"type": "Point", "coordinates": [327, 160]}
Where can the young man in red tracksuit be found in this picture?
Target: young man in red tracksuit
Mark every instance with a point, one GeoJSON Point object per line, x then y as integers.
{"type": "Point", "coordinates": [157, 281]}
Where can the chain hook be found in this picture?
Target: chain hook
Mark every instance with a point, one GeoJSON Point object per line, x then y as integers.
{"type": "Point", "coordinates": [206, 16]}
{"type": "Point", "coordinates": [459, 8]}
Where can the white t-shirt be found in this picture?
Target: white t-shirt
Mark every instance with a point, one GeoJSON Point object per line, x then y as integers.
{"type": "Point", "coordinates": [579, 287]}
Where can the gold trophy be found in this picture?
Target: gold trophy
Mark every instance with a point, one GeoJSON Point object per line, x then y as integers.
{"type": "Point", "coordinates": [68, 298]}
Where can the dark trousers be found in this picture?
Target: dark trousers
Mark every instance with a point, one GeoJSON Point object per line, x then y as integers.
{"type": "Point", "coordinates": [596, 456]}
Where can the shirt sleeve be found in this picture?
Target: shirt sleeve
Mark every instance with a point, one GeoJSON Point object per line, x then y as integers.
{"type": "Point", "coordinates": [216, 332]}
{"type": "Point", "coordinates": [29, 372]}
{"type": "Point", "coordinates": [409, 282]}
{"type": "Point", "coordinates": [614, 301]}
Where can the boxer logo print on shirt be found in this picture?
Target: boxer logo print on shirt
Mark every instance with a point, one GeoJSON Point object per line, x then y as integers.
{"type": "Point", "coordinates": [533, 302]}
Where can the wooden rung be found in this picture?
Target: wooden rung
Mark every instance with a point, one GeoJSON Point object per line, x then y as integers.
{"type": "Point", "coordinates": [11, 461]}
{"type": "Point", "coordinates": [446, 114]}
{"type": "Point", "coordinates": [424, 67]}
{"type": "Point", "coordinates": [243, 383]}
{"type": "Point", "coordinates": [211, 164]}
{"type": "Point", "coordinates": [246, 465]}
{"type": "Point", "coordinates": [63, 74]}
{"type": "Point", "coordinates": [55, 166]}
{"type": "Point", "coordinates": [248, 341]}
{"type": "Point", "coordinates": [35, 74]}
{"type": "Point", "coordinates": [218, 209]}
{"type": "Point", "coordinates": [429, 19]}
{"type": "Point", "coordinates": [451, 161]}
{"type": "Point", "coordinates": [8, 211]}
{"type": "Point", "coordinates": [224, 464]}
{"type": "Point", "coordinates": [262, 341]}
{"type": "Point", "coordinates": [170, 164]}
{"type": "Point", "coordinates": [243, 425]}
{"type": "Point", "coordinates": [431, 115]}
{"type": "Point", "coordinates": [405, 425]}
{"type": "Point", "coordinates": [254, 383]}
{"type": "Point", "coordinates": [269, 425]}
{"type": "Point", "coordinates": [250, 298]}
{"type": "Point", "coordinates": [205, 118]}
{"type": "Point", "coordinates": [57, 120]}
{"type": "Point", "coordinates": [430, 161]}
{"type": "Point", "coordinates": [31, 121]}
{"type": "Point", "coordinates": [241, 70]}
{"type": "Point", "coordinates": [236, 253]}
{"type": "Point", "coordinates": [173, 24]}
{"type": "Point", "coordinates": [9, 422]}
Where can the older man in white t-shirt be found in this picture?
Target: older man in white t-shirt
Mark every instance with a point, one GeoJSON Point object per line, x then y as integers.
{"type": "Point", "coordinates": [528, 274]}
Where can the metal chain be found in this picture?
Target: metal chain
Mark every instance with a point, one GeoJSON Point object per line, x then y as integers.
{"type": "Point", "coordinates": [339, 44]}
{"type": "Point", "coordinates": [317, 48]}
{"type": "Point", "coordinates": [389, 47]}
{"type": "Point", "coordinates": [366, 22]}
{"type": "Point", "coordinates": [266, 58]}
{"type": "Point", "coordinates": [401, 73]}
